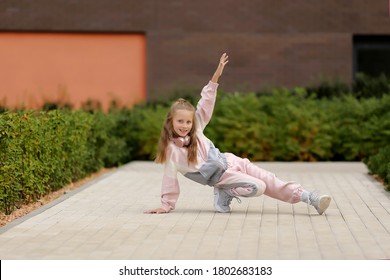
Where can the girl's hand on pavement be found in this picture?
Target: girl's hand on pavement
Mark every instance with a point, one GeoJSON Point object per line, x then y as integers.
{"type": "Point", "coordinates": [155, 211]}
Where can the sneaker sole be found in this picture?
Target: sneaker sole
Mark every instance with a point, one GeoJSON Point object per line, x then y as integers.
{"type": "Point", "coordinates": [323, 204]}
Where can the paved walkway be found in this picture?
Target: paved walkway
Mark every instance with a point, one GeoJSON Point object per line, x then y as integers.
{"type": "Point", "coordinates": [104, 220]}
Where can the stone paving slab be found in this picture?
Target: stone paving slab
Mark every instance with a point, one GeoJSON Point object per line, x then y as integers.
{"type": "Point", "coordinates": [104, 220]}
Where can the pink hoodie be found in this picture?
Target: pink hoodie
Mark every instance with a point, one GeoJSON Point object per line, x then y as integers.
{"type": "Point", "coordinates": [211, 164]}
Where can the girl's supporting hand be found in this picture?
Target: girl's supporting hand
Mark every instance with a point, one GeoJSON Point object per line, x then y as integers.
{"type": "Point", "coordinates": [155, 211]}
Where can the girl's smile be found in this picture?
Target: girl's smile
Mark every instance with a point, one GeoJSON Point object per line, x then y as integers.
{"type": "Point", "coordinates": [182, 122]}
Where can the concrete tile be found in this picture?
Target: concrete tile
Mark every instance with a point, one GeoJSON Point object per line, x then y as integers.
{"type": "Point", "coordinates": [104, 220]}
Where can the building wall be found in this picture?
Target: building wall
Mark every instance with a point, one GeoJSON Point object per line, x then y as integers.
{"type": "Point", "coordinates": [270, 43]}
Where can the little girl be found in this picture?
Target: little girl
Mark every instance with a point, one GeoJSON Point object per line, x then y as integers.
{"type": "Point", "coordinates": [184, 148]}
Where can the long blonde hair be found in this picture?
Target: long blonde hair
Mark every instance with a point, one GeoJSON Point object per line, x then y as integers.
{"type": "Point", "coordinates": [167, 133]}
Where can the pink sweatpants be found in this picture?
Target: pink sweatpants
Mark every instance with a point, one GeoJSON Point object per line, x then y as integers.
{"type": "Point", "coordinates": [246, 179]}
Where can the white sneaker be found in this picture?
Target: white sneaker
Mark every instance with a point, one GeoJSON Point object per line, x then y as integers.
{"type": "Point", "coordinates": [222, 200]}
{"type": "Point", "coordinates": [320, 202]}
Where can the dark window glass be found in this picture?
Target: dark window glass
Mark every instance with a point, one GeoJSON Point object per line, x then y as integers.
{"type": "Point", "coordinates": [372, 55]}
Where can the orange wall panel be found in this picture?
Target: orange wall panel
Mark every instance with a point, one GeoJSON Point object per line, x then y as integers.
{"type": "Point", "coordinates": [71, 68]}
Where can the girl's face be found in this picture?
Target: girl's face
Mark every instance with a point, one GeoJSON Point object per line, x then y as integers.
{"type": "Point", "coordinates": [182, 122]}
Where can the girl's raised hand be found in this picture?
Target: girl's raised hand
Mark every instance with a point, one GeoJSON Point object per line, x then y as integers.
{"type": "Point", "coordinates": [222, 62]}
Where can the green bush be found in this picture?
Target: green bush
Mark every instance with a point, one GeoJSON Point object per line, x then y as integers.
{"type": "Point", "coordinates": [298, 127]}
{"type": "Point", "coordinates": [366, 86]}
{"type": "Point", "coordinates": [329, 89]}
{"type": "Point", "coordinates": [379, 164]}
{"type": "Point", "coordinates": [360, 127]}
{"type": "Point", "coordinates": [42, 151]}
{"type": "Point", "coordinates": [108, 138]}
{"type": "Point", "coordinates": [146, 124]}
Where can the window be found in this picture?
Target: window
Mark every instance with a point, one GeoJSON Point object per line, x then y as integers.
{"type": "Point", "coordinates": [371, 55]}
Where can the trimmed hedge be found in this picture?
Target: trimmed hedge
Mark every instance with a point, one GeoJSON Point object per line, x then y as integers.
{"type": "Point", "coordinates": [297, 127]}
{"type": "Point", "coordinates": [379, 164]}
{"type": "Point", "coordinates": [42, 151]}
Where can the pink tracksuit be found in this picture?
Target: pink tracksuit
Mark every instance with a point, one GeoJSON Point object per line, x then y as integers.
{"type": "Point", "coordinates": [222, 170]}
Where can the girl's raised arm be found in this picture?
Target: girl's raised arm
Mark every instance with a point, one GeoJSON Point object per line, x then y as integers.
{"type": "Point", "coordinates": [222, 62]}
